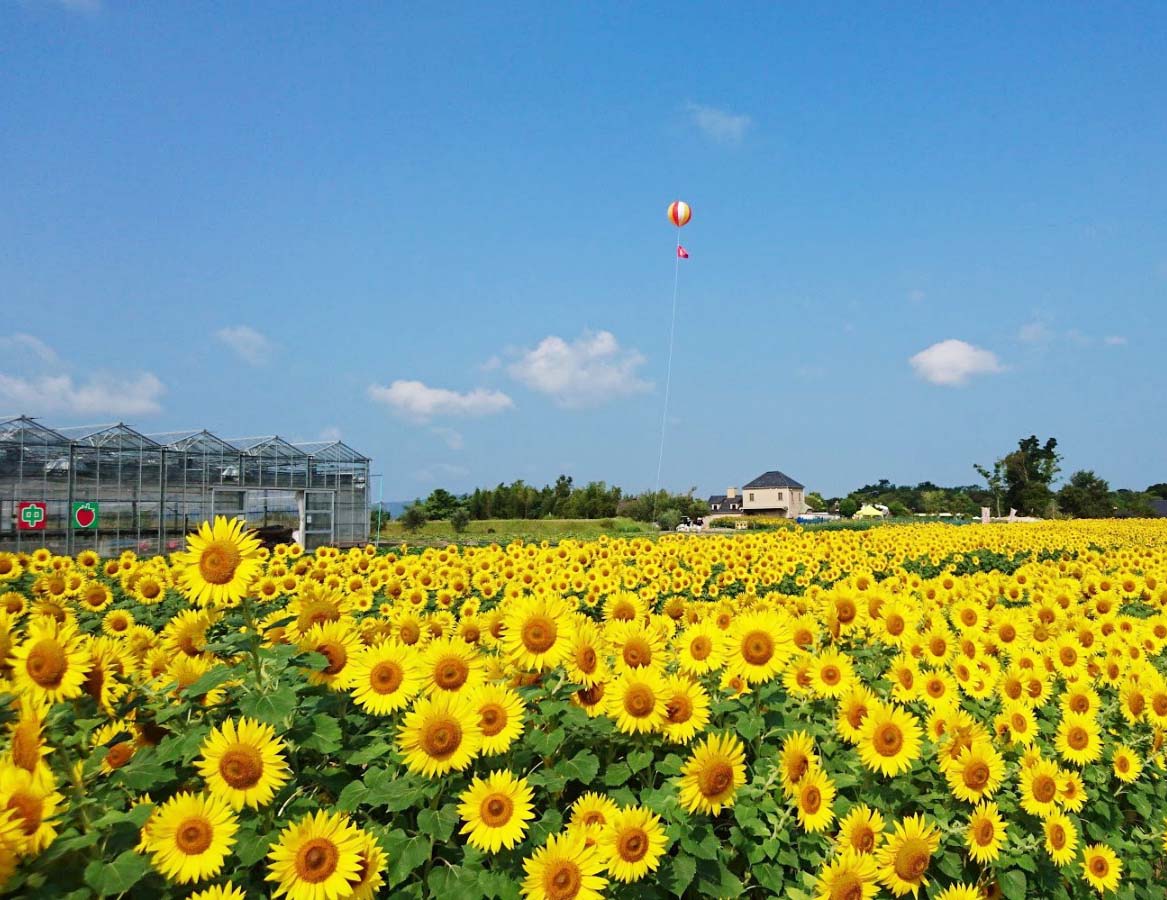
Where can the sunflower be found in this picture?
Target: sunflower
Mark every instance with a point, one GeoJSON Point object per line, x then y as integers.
{"type": "Point", "coordinates": [852, 711]}
{"type": "Point", "coordinates": [1061, 838]}
{"type": "Point", "coordinates": [1101, 868]}
{"type": "Point", "coordinates": [1019, 721]}
{"type": "Point", "coordinates": [450, 665]}
{"type": "Point", "coordinates": [565, 868]}
{"type": "Point", "coordinates": [976, 773]}
{"type": "Point", "coordinates": [632, 844]}
{"type": "Point", "coordinates": [584, 661]}
{"type": "Point", "coordinates": [797, 757]}
{"type": "Point", "coordinates": [186, 632]}
{"type": "Point", "coordinates": [220, 563]}
{"type": "Point", "coordinates": [496, 810]}
{"type": "Point", "coordinates": [385, 677]}
{"type": "Point", "coordinates": [500, 716]}
{"type": "Point", "coordinates": [338, 642]}
{"type": "Point", "coordinates": [1126, 763]}
{"type": "Point", "coordinates": [861, 829]}
{"type": "Point", "coordinates": [537, 632]}
{"type": "Point", "coordinates": [700, 648]}
{"type": "Point", "coordinates": [27, 749]}
{"type": "Point", "coordinates": [814, 798]}
{"type": "Point", "coordinates": [1078, 739]}
{"type": "Point", "coordinates": [849, 876]}
{"type": "Point", "coordinates": [635, 645]}
{"type": "Point", "coordinates": [190, 835]}
{"type": "Point", "coordinates": [637, 701]}
{"type": "Point", "coordinates": [906, 854]}
{"type": "Point", "coordinates": [712, 774]}
{"type": "Point", "coordinates": [317, 858]}
{"type": "Point", "coordinates": [592, 812]}
{"type": "Point", "coordinates": [960, 892]}
{"type": "Point", "coordinates": [244, 763]}
{"type": "Point", "coordinates": [33, 801]}
{"type": "Point", "coordinates": [985, 833]}
{"type": "Point", "coordinates": [440, 734]}
{"type": "Point", "coordinates": [50, 664]}
{"type": "Point", "coordinates": [890, 739]}
{"type": "Point", "coordinates": [759, 645]}
{"type": "Point", "coordinates": [226, 891]}
{"type": "Point", "coordinates": [832, 674]}
{"type": "Point", "coordinates": [117, 622]}
{"type": "Point", "coordinates": [1071, 791]}
{"type": "Point", "coordinates": [371, 874]}
{"type": "Point", "coordinates": [687, 706]}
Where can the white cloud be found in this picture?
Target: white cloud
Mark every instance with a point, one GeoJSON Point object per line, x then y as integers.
{"type": "Point", "coordinates": [26, 345]}
{"type": "Point", "coordinates": [439, 471]}
{"type": "Point", "coordinates": [330, 433]}
{"type": "Point", "coordinates": [249, 345]}
{"type": "Point", "coordinates": [451, 436]}
{"type": "Point", "coordinates": [587, 372]}
{"type": "Point", "coordinates": [1035, 332]}
{"type": "Point", "coordinates": [491, 364]}
{"type": "Point", "coordinates": [952, 362]}
{"type": "Point", "coordinates": [1114, 340]}
{"type": "Point", "coordinates": [719, 125]}
{"type": "Point", "coordinates": [420, 402]}
{"type": "Point", "coordinates": [101, 395]}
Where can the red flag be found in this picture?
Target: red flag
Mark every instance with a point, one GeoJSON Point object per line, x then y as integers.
{"type": "Point", "coordinates": [682, 253]}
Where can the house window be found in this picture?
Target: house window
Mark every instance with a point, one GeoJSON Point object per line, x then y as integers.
{"type": "Point", "coordinates": [751, 496]}
{"type": "Point", "coordinates": [779, 495]}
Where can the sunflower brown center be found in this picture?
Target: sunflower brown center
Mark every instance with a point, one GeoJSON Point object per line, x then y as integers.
{"type": "Point", "coordinates": [895, 624]}
{"type": "Point", "coordinates": [585, 659]}
{"type": "Point", "coordinates": [850, 888]}
{"type": "Point", "coordinates": [441, 738]}
{"type": "Point", "coordinates": [119, 754]}
{"type": "Point", "coordinates": [1078, 737]}
{"type": "Point", "coordinates": [976, 775]}
{"type": "Point", "coordinates": [639, 701]}
{"type": "Point", "coordinates": [241, 766]}
{"type": "Point", "coordinates": [193, 836]}
{"type": "Point", "coordinates": [1044, 789]}
{"type": "Point", "coordinates": [637, 653]}
{"type": "Point", "coordinates": [386, 677]}
{"type": "Point", "coordinates": [700, 648]}
{"type": "Point", "coordinates": [680, 709]}
{"type": "Point", "coordinates": [757, 648]}
{"type": "Point", "coordinates": [1099, 866]}
{"type": "Point", "coordinates": [863, 839]}
{"type": "Point", "coordinates": [47, 663]}
{"type": "Point", "coordinates": [562, 881]}
{"type": "Point", "coordinates": [632, 845]}
{"type": "Point", "coordinates": [715, 778]}
{"type": "Point", "coordinates": [316, 860]}
{"type": "Point", "coordinates": [451, 673]}
{"type": "Point", "coordinates": [1057, 836]}
{"type": "Point", "coordinates": [539, 634]}
{"type": "Point", "coordinates": [496, 810]}
{"type": "Point", "coordinates": [985, 832]}
{"type": "Point", "coordinates": [889, 740]}
{"type": "Point", "coordinates": [1135, 703]}
{"type": "Point", "coordinates": [218, 562]}
{"type": "Point", "coordinates": [830, 675]}
{"type": "Point", "coordinates": [812, 799]}
{"type": "Point", "coordinates": [590, 696]}
{"type": "Point", "coordinates": [912, 861]}
{"type": "Point", "coordinates": [492, 718]}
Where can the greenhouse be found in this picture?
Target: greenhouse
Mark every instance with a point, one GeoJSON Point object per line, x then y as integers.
{"type": "Point", "coordinates": [111, 488]}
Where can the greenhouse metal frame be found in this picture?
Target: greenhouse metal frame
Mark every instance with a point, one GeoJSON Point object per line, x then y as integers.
{"type": "Point", "coordinates": [111, 488]}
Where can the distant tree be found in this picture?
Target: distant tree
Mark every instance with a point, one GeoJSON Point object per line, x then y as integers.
{"type": "Point", "coordinates": [440, 504]}
{"type": "Point", "coordinates": [848, 506]}
{"type": "Point", "coordinates": [1029, 472]}
{"type": "Point", "coordinates": [669, 519]}
{"type": "Point", "coordinates": [414, 518]}
{"type": "Point", "coordinates": [1086, 496]}
{"type": "Point", "coordinates": [933, 501]}
{"type": "Point", "coordinates": [815, 501]}
{"type": "Point", "coordinates": [1159, 490]}
{"type": "Point", "coordinates": [898, 509]}
{"type": "Point", "coordinates": [1134, 503]}
{"type": "Point", "coordinates": [460, 519]}
{"type": "Point", "coordinates": [995, 479]}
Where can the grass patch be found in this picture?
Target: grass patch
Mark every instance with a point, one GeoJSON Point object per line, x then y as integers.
{"type": "Point", "coordinates": [503, 531]}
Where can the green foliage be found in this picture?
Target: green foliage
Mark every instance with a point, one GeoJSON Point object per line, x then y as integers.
{"type": "Point", "coordinates": [848, 507]}
{"type": "Point", "coordinates": [414, 518]}
{"type": "Point", "coordinates": [1086, 496]}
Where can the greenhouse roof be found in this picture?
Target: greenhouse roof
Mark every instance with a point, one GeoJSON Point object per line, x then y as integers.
{"type": "Point", "coordinates": [330, 451]}
{"type": "Point", "coordinates": [270, 445]}
{"type": "Point", "coordinates": [112, 437]}
{"type": "Point", "coordinates": [22, 429]}
{"type": "Point", "coordinates": [199, 441]}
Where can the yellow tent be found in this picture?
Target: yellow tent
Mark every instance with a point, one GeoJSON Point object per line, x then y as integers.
{"type": "Point", "coordinates": [867, 511]}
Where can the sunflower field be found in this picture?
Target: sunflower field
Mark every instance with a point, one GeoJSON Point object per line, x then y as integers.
{"type": "Point", "coordinates": [924, 710]}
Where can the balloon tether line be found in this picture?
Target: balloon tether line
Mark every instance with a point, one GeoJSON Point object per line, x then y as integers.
{"type": "Point", "coordinates": [668, 374]}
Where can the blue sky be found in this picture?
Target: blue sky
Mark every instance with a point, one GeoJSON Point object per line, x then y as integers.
{"type": "Point", "coordinates": [920, 232]}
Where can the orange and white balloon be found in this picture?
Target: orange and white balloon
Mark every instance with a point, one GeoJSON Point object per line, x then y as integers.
{"type": "Point", "coordinates": [680, 213]}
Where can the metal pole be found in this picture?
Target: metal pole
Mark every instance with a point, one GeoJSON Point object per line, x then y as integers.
{"type": "Point", "coordinates": [70, 493]}
{"type": "Point", "coordinates": [380, 508]}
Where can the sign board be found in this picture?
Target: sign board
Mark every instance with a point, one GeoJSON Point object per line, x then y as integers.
{"type": "Point", "coordinates": [85, 516]}
{"type": "Point", "coordinates": [31, 515]}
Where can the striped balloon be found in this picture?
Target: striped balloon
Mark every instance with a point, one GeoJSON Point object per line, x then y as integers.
{"type": "Point", "coordinates": [679, 213]}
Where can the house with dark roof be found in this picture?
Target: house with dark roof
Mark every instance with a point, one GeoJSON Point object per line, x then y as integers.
{"type": "Point", "coordinates": [772, 493]}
